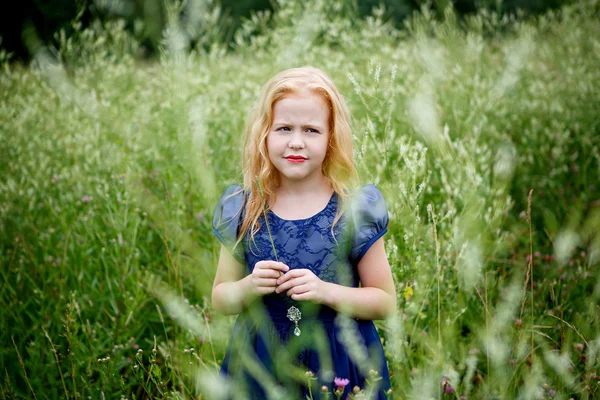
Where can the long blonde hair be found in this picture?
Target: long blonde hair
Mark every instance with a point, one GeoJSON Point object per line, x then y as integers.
{"type": "Point", "coordinates": [338, 165]}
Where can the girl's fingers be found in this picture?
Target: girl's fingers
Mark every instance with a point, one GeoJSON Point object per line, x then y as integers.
{"type": "Point", "coordinates": [266, 282]}
{"type": "Point", "coordinates": [282, 287]}
{"type": "Point", "coordinates": [298, 290]}
{"type": "Point", "coordinates": [295, 273]}
{"type": "Point", "coordinates": [275, 265]}
{"type": "Point", "coordinates": [265, 290]}
{"type": "Point", "coordinates": [300, 297]}
{"type": "Point", "coordinates": [267, 273]}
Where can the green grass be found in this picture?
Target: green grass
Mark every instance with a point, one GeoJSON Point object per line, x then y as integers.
{"type": "Point", "coordinates": [111, 168]}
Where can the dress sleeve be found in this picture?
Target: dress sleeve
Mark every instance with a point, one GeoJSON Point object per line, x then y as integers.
{"type": "Point", "coordinates": [370, 219]}
{"type": "Point", "coordinates": [227, 220]}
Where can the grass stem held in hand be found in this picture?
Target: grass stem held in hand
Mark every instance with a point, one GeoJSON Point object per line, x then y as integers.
{"type": "Point", "coordinates": [260, 192]}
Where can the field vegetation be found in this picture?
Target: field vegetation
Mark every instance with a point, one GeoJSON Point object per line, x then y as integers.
{"type": "Point", "coordinates": [483, 133]}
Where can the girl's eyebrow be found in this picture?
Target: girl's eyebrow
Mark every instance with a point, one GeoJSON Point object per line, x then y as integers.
{"type": "Point", "coordinates": [312, 126]}
{"type": "Point", "coordinates": [304, 126]}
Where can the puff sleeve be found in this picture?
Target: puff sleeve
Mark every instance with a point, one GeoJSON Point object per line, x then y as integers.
{"type": "Point", "coordinates": [227, 219]}
{"type": "Point", "coordinates": [370, 219]}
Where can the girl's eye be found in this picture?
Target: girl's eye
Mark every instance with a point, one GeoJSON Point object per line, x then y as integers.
{"type": "Point", "coordinates": [284, 128]}
{"type": "Point", "coordinates": [311, 130]}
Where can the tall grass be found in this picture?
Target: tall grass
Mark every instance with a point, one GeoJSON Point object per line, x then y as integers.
{"type": "Point", "coordinates": [111, 168]}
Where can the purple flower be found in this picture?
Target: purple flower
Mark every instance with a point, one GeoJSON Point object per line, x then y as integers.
{"type": "Point", "coordinates": [85, 199]}
{"type": "Point", "coordinates": [340, 382]}
{"type": "Point", "coordinates": [518, 323]}
{"type": "Point", "coordinates": [448, 389]}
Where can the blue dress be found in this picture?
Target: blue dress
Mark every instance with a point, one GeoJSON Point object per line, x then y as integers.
{"type": "Point", "coordinates": [265, 354]}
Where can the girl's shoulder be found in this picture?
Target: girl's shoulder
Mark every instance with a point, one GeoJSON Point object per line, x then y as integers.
{"type": "Point", "coordinates": [229, 212]}
{"type": "Point", "coordinates": [368, 195]}
{"type": "Point", "coordinates": [230, 204]}
{"type": "Point", "coordinates": [369, 219]}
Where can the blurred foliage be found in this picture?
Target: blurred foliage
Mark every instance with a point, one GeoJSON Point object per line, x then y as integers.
{"type": "Point", "coordinates": [32, 23]}
{"type": "Point", "coordinates": [112, 166]}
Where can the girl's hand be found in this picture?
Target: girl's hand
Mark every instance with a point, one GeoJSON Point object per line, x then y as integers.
{"type": "Point", "coordinates": [302, 284]}
{"type": "Point", "coordinates": [264, 276]}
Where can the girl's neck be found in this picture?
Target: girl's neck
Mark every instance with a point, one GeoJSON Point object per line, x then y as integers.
{"type": "Point", "coordinates": [299, 201]}
{"type": "Point", "coordinates": [315, 187]}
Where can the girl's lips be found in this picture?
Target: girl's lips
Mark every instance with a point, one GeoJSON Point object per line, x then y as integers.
{"type": "Point", "coordinates": [297, 160]}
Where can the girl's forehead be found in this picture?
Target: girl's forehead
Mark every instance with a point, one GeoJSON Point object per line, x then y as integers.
{"type": "Point", "coordinates": [312, 104]}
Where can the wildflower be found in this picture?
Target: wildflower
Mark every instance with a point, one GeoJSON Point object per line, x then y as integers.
{"type": "Point", "coordinates": [408, 292]}
{"type": "Point", "coordinates": [449, 389]}
{"type": "Point", "coordinates": [593, 375]}
{"type": "Point", "coordinates": [355, 389]}
{"type": "Point", "coordinates": [324, 389]}
{"type": "Point", "coordinates": [340, 382]}
{"type": "Point", "coordinates": [518, 323]}
{"type": "Point", "coordinates": [85, 199]}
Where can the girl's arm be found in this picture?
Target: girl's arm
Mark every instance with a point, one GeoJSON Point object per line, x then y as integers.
{"type": "Point", "coordinates": [376, 299]}
{"type": "Point", "coordinates": [233, 292]}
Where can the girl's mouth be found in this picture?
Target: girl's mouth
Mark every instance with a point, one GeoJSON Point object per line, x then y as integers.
{"type": "Point", "coordinates": [296, 159]}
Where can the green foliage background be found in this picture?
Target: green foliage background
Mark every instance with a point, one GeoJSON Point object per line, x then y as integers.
{"type": "Point", "coordinates": [33, 23]}
{"type": "Point", "coordinates": [112, 167]}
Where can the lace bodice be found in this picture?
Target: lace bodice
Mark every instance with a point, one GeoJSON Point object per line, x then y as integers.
{"type": "Point", "coordinates": [306, 243]}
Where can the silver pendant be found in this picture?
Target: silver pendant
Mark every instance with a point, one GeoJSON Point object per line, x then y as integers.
{"type": "Point", "coordinates": [295, 315]}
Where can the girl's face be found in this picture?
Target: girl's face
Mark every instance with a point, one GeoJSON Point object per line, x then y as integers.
{"type": "Point", "coordinates": [298, 140]}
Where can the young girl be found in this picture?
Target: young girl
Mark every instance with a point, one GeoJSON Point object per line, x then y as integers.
{"type": "Point", "coordinates": [302, 261]}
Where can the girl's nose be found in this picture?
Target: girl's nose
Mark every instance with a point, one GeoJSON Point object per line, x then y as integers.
{"type": "Point", "coordinates": [296, 141]}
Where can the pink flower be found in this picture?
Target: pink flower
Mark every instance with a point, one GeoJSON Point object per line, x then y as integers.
{"type": "Point", "coordinates": [85, 198]}
{"type": "Point", "coordinates": [518, 323]}
{"type": "Point", "coordinates": [340, 382]}
{"type": "Point", "coordinates": [448, 389]}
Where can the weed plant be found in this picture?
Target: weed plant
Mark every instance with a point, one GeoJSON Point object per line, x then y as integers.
{"type": "Point", "coordinates": [482, 133]}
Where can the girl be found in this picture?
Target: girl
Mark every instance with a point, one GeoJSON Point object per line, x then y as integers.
{"type": "Point", "coordinates": [303, 265]}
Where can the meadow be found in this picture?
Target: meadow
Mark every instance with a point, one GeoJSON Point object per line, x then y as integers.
{"type": "Point", "coordinates": [482, 132]}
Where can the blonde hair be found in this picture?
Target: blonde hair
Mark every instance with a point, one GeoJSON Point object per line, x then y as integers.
{"type": "Point", "coordinates": [338, 165]}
